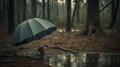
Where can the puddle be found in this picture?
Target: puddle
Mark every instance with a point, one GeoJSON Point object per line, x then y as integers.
{"type": "Point", "coordinates": [88, 59]}
{"type": "Point", "coordinates": [82, 59]}
{"type": "Point", "coordinates": [64, 59]}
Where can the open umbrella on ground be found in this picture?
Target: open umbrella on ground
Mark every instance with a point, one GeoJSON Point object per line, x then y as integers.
{"type": "Point", "coordinates": [32, 29]}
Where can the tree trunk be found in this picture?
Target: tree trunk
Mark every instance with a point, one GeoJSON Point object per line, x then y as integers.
{"type": "Point", "coordinates": [63, 9]}
{"type": "Point", "coordinates": [21, 10]}
{"type": "Point", "coordinates": [48, 10]}
{"type": "Point", "coordinates": [57, 13]}
{"type": "Point", "coordinates": [11, 25]}
{"type": "Point", "coordinates": [52, 15]}
{"type": "Point", "coordinates": [68, 24]}
{"type": "Point", "coordinates": [90, 14]}
{"type": "Point", "coordinates": [112, 9]}
{"type": "Point", "coordinates": [33, 5]}
{"type": "Point", "coordinates": [1, 10]}
{"type": "Point", "coordinates": [43, 2]}
{"type": "Point", "coordinates": [18, 13]}
{"type": "Point", "coordinates": [55, 5]}
{"type": "Point", "coordinates": [115, 14]}
{"type": "Point", "coordinates": [76, 12]}
{"type": "Point", "coordinates": [96, 23]}
{"type": "Point", "coordinates": [93, 23]}
{"type": "Point", "coordinates": [24, 10]}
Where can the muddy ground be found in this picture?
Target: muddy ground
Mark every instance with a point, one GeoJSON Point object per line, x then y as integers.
{"type": "Point", "coordinates": [69, 40]}
{"type": "Point", "coordinates": [73, 41]}
{"type": "Point", "coordinates": [76, 41]}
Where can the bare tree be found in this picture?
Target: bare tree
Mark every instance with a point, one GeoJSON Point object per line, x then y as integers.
{"type": "Point", "coordinates": [68, 24]}
{"type": "Point", "coordinates": [115, 14]}
{"type": "Point", "coordinates": [76, 12]}
{"type": "Point", "coordinates": [43, 2]}
{"type": "Point", "coordinates": [112, 9]}
{"type": "Point", "coordinates": [48, 10]}
{"type": "Point", "coordinates": [93, 23]}
{"type": "Point", "coordinates": [23, 10]}
{"type": "Point", "coordinates": [56, 9]}
{"type": "Point", "coordinates": [11, 25]}
{"type": "Point", "coordinates": [33, 5]}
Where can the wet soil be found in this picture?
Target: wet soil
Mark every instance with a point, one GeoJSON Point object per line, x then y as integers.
{"type": "Point", "coordinates": [68, 40]}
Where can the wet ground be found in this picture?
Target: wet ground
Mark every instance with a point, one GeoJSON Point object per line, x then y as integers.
{"type": "Point", "coordinates": [63, 59]}
{"type": "Point", "coordinates": [89, 59]}
{"type": "Point", "coordinates": [94, 51]}
{"type": "Point", "coordinates": [20, 61]}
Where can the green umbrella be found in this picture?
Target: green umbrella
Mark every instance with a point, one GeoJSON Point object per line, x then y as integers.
{"type": "Point", "coordinates": [32, 29]}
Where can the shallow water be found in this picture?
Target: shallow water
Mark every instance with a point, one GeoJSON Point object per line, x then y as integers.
{"type": "Point", "coordinates": [82, 59]}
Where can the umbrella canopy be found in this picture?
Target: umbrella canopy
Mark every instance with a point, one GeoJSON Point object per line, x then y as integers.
{"type": "Point", "coordinates": [32, 29]}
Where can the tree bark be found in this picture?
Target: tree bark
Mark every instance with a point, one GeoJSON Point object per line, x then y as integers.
{"type": "Point", "coordinates": [76, 12]}
{"type": "Point", "coordinates": [96, 23]}
{"type": "Point", "coordinates": [11, 24]}
{"type": "Point", "coordinates": [55, 10]}
{"type": "Point", "coordinates": [48, 10]}
{"type": "Point", "coordinates": [68, 24]}
{"type": "Point", "coordinates": [112, 9]}
{"type": "Point", "coordinates": [93, 23]}
{"type": "Point", "coordinates": [115, 15]}
{"type": "Point", "coordinates": [33, 5]}
{"type": "Point", "coordinates": [1, 10]}
{"type": "Point", "coordinates": [43, 2]}
{"type": "Point", "coordinates": [24, 10]}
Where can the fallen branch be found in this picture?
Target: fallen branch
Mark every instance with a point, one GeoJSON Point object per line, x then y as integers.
{"type": "Point", "coordinates": [61, 48]}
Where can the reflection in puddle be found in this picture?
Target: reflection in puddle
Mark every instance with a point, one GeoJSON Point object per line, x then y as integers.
{"type": "Point", "coordinates": [109, 60]}
{"type": "Point", "coordinates": [82, 60]}
{"type": "Point", "coordinates": [88, 59]}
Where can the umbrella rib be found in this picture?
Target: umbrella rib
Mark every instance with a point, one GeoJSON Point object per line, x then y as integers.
{"type": "Point", "coordinates": [39, 23]}
{"type": "Point", "coordinates": [42, 25]}
{"type": "Point", "coordinates": [30, 27]}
